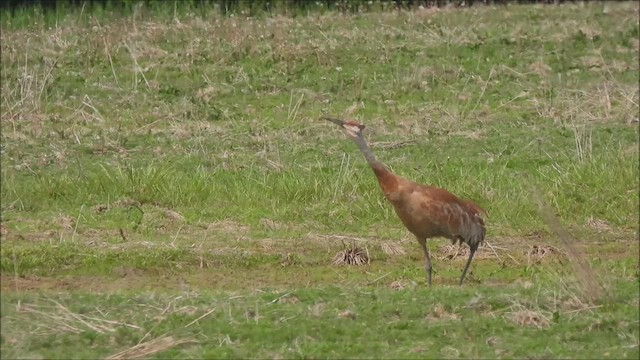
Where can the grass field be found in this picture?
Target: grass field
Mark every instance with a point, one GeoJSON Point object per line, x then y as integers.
{"type": "Point", "coordinates": [168, 190]}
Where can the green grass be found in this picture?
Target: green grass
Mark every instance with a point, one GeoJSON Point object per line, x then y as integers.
{"type": "Point", "coordinates": [161, 164]}
{"type": "Point", "coordinates": [327, 321]}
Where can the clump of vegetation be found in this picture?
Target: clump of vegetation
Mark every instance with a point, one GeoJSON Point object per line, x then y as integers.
{"type": "Point", "coordinates": [352, 255]}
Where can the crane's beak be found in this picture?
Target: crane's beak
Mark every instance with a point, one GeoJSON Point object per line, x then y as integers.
{"type": "Point", "coordinates": [333, 120]}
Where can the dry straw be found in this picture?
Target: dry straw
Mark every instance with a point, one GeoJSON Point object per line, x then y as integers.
{"type": "Point", "coordinates": [589, 287]}
{"type": "Point", "coordinates": [352, 255]}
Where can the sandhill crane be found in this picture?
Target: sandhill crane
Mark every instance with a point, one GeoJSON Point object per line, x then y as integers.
{"type": "Point", "coordinates": [426, 211]}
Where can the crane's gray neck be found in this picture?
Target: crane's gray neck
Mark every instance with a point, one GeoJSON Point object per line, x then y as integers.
{"type": "Point", "coordinates": [387, 180]}
{"type": "Point", "coordinates": [366, 151]}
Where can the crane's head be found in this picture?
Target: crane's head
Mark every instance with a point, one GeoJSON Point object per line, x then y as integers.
{"type": "Point", "coordinates": [351, 128]}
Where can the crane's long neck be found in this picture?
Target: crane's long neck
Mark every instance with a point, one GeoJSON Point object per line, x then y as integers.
{"type": "Point", "coordinates": [387, 180]}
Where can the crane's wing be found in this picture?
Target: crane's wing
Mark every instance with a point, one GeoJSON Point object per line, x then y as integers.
{"type": "Point", "coordinates": [479, 212]}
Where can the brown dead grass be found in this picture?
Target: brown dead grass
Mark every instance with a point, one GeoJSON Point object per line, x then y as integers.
{"type": "Point", "coordinates": [598, 224]}
{"type": "Point", "coordinates": [589, 288]}
{"type": "Point", "coordinates": [56, 317]}
{"type": "Point", "coordinates": [148, 348]}
{"type": "Point", "coordinates": [317, 309]}
{"type": "Point", "coordinates": [439, 313]}
{"type": "Point", "coordinates": [397, 285]}
{"type": "Point", "coordinates": [352, 255]}
{"type": "Point", "coordinates": [536, 253]}
{"type": "Point", "coordinates": [229, 226]}
{"type": "Point", "coordinates": [391, 248]}
{"type": "Point", "coordinates": [347, 314]}
{"type": "Point", "coordinates": [289, 299]}
{"type": "Point", "coordinates": [452, 252]}
{"type": "Point", "coordinates": [529, 318]}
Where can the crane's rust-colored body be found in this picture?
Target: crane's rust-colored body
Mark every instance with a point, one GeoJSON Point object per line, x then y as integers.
{"type": "Point", "coordinates": [426, 211]}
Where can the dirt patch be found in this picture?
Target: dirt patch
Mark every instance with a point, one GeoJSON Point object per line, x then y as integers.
{"type": "Point", "coordinates": [129, 278]}
{"type": "Point", "coordinates": [132, 281]}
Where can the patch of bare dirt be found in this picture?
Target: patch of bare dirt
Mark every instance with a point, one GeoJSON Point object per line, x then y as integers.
{"type": "Point", "coordinates": [128, 280]}
{"type": "Point", "coordinates": [34, 237]}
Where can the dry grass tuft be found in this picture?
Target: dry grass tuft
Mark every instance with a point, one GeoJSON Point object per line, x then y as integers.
{"type": "Point", "coordinates": [540, 68]}
{"type": "Point", "coordinates": [229, 226]}
{"type": "Point", "coordinates": [390, 248]}
{"type": "Point", "coordinates": [347, 314]}
{"type": "Point", "coordinates": [317, 309]}
{"type": "Point", "coordinates": [440, 313]}
{"type": "Point", "coordinates": [476, 134]}
{"type": "Point", "coordinates": [267, 245]}
{"type": "Point", "coordinates": [597, 224]}
{"type": "Point", "coordinates": [173, 215]}
{"type": "Point", "coordinates": [397, 285]}
{"type": "Point", "coordinates": [451, 252]}
{"type": "Point", "coordinates": [100, 208]}
{"type": "Point", "coordinates": [528, 318]}
{"type": "Point", "coordinates": [288, 259]}
{"type": "Point", "coordinates": [150, 347]}
{"type": "Point", "coordinates": [59, 319]}
{"type": "Point", "coordinates": [589, 286]}
{"type": "Point", "coordinates": [352, 255]}
{"type": "Point", "coordinates": [388, 145]}
{"type": "Point", "coordinates": [536, 253]}
{"type": "Point", "coordinates": [289, 299]}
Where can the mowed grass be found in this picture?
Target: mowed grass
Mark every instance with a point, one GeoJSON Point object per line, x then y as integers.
{"type": "Point", "coordinates": [167, 183]}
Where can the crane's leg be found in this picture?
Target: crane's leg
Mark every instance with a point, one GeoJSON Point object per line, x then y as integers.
{"type": "Point", "coordinates": [466, 267]}
{"type": "Point", "coordinates": [427, 259]}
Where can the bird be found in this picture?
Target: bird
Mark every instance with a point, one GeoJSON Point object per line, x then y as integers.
{"type": "Point", "coordinates": [426, 211]}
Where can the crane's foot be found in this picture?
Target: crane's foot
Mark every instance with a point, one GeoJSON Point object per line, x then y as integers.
{"type": "Point", "coordinates": [428, 268]}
